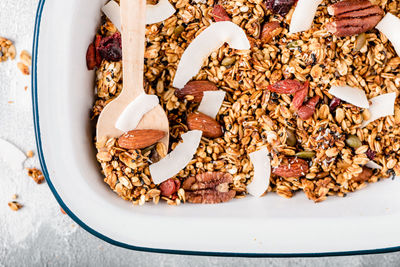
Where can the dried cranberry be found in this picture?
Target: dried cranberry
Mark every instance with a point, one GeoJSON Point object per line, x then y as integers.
{"type": "Point", "coordinates": [335, 102]}
{"type": "Point", "coordinates": [371, 154]}
{"type": "Point", "coordinates": [281, 7]}
{"type": "Point", "coordinates": [170, 187]}
{"type": "Point", "coordinates": [110, 47]}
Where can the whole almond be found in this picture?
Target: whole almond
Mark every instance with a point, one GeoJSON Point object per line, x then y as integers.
{"type": "Point", "coordinates": [138, 139]}
{"type": "Point", "coordinates": [196, 90]}
{"type": "Point", "coordinates": [210, 127]}
{"type": "Point", "coordinates": [291, 168]}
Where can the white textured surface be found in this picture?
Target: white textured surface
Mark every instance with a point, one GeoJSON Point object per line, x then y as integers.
{"type": "Point", "coordinates": [39, 234]}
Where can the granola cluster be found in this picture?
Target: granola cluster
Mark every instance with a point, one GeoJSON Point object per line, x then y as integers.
{"type": "Point", "coordinates": [332, 143]}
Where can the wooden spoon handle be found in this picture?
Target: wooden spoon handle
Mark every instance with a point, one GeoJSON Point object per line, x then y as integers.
{"type": "Point", "coordinates": [133, 20]}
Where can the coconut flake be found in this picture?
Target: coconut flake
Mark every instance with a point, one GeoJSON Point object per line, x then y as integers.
{"type": "Point", "coordinates": [133, 113]}
{"type": "Point", "coordinates": [381, 106]}
{"type": "Point", "coordinates": [204, 44]}
{"type": "Point", "coordinates": [211, 102]}
{"type": "Point", "coordinates": [177, 160]}
{"type": "Point", "coordinates": [373, 165]}
{"type": "Point", "coordinates": [390, 27]}
{"type": "Point", "coordinates": [352, 95]}
{"type": "Point", "coordinates": [262, 172]}
{"type": "Point", "coordinates": [11, 155]}
{"type": "Point", "coordinates": [303, 15]}
{"type": "Point", "coordinates": [154, 13]}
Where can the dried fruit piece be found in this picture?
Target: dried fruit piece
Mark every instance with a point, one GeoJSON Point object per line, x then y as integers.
{"type": "Point", "coordinates": [300, 96]}
{"type": "Point", "coordinates": [269, 31]}
{"type": "Point", "coordinates": [303, 15]}
{"type": "Point", "coordinates": [389, 26]}
{"type": "Point", "coordinates": [364, 175]}
{"type": "Point", "coordinates": [281, 7]}
{"type": "Point", "coordinates": [352, 95]}
{"type": "Point", "coordinates": [353, 17]}
{"type": "Point", "coordinates": [335, 102]}
{"type": "Point", "coordinates": [138, 139]}
{"type": "Point", "coordinates": [291, 168]}
{"type": "Point", "coordinates": [219, 13]}
{"type": "Point", "coordinates": [36, 175]}
{"type": "Point", "coordinates": [210, 127]}
{"type": "Point", "coordinates": [262, 172]}
{"type": "Point", "coordinates": [286, 87]}
{"type": "Point", "coordinates": [195, 89]}
{"type": "Point", "coordinates": [110, 48]}
{"type": "Point", "coordinates": [211, 103]}
{"type": "Point", "coordinates": [307, 110]}
{"type": "Point", "coordinates": [370, 154]}
{"type": "Point", "coordinates": [97, 42]}
{"type": "Point", "coordinates": [381, 106]}
{"type": "Point", "coordinates": [209, 188]}
{"type": "Point", "coordinates": [170, 187]}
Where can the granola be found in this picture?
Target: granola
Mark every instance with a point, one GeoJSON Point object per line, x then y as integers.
{"type": "Point", "coordinates": [322, 135]}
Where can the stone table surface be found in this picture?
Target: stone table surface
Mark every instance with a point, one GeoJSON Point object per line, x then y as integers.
{"type": "Point", "coordinates": [39, 234]}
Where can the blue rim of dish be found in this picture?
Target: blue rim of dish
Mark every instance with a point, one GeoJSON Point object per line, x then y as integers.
{"type": "Point", "coordinates": [145, 249]}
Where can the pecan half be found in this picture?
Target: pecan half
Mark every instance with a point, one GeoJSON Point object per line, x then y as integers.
{"type": "Point", "coordinates": [209, 188]}
{"type": "Point", "coordinates": [291, 168]}
{"type": "Point", "coordinates": [353, 17]}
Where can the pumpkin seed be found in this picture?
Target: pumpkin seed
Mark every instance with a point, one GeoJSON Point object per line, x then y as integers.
{"type": "Point", "coordinates": [227, 61]}
{"type": "Point", "coordinates": [305, 154]}
{"type": "Point", "coordinates": [291, 138]}
{"type": "Point", "coordinates": [353, 141]}
{"type": "Point", "coordinates": [178, 30]}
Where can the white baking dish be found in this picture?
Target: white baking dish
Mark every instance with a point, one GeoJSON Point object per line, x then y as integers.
{"type": "Point", "coordinates": [363, 222]}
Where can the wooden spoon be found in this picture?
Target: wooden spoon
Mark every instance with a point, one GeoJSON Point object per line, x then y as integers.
{"type": "Point", "coordinates": [133, 42]}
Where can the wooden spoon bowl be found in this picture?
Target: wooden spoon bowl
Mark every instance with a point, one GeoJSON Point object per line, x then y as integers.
{"type": "Point", "coordinates": [133, 47]}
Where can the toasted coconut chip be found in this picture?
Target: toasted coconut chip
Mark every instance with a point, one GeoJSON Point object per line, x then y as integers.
{"type": "Point", "coordinates": [390, 27]}
{"type": "Point", "coordinates": [262, 172]}
{"type": "Point", "coordinates": [154, 13]}
{"type": "Point", "coordinates": [133, 113]}
{"type": "Point", "coordinates": [381, 106]}
{"type": "Point", "coordinates": [211, 102]}
{"type": "Point", "coordinates": [303, 15]}
{"type": "Point", "coordinates": [373, 165]}
{"type": "Point", "coordinates": [11, 155]}
{"type": "Point", "coordinates": [177, 160]}
{"type": "Point", "coordinates": [352, 95]}
{"type": "Point", "coordinates": [206, 42]}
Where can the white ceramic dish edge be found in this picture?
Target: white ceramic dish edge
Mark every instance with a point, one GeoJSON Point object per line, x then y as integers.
{"type": "Point", "coordinates": [364, 222]}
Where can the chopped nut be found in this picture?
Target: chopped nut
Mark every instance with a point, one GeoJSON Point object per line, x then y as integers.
{"type": "Point", "coordinates": [29, 154]}
{"type": "Point", "coordinates": [26, 58]}
{"type": "Point", "coordinates": [23, 68]}
{"type": "Point", "coordinates": [14, 205]}
{"type": "Point", "coordinates": [36, 175]}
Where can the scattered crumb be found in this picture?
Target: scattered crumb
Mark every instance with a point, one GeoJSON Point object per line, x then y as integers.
{"type": "Point", "coordinates": [15, 196]}
{"type": "Point", "coordinates": [23, 68]}
{"type": "Point", "coordinates": [14, 205]}
{"type": "Point", "coordinates": [7, 49]}
{"type": "Point", "coordinates": [36, 175]}
{"type": "Point", "coordinates": [26, 58]}
{"type": "Point", "coordinates": [10, 102]}
{"type": "Point", "coordinates": [26, 88]}
{"type": "Point", "coordinates": [62, 211]}
{"type": "Point", "coordinates": [29, 154]}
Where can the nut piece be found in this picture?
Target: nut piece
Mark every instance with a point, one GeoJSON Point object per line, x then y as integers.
{"type": "Point", "coordinates": [36, 175]}
{"type": "Point", "coordinates": [219, 14]}
{"type": "Point", "coordinates": [138, 139]}
{"type": "Point", "coordinates": [209, 188]}
{"type": "Point", "coordinates": [26, 58]}
{"type": "Point", "coordinates": [170, 187]}
{"type": "Point", "coordinates": [269, 31]}
{"type": "Point", "coordinates": [363, 176]}
{"type": "Point", "coordinates": [194, 90]}
{"type": "Point", "coordinates": [14, 205]}
{"type": "Point", "coordinates": [210, 127]}
{"type": "Point", "coordinates": [23, 68]}
{"type": "Point", "coordinates": [291, 168]}
{"type": "Point", "coordinates": [353, 17]}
